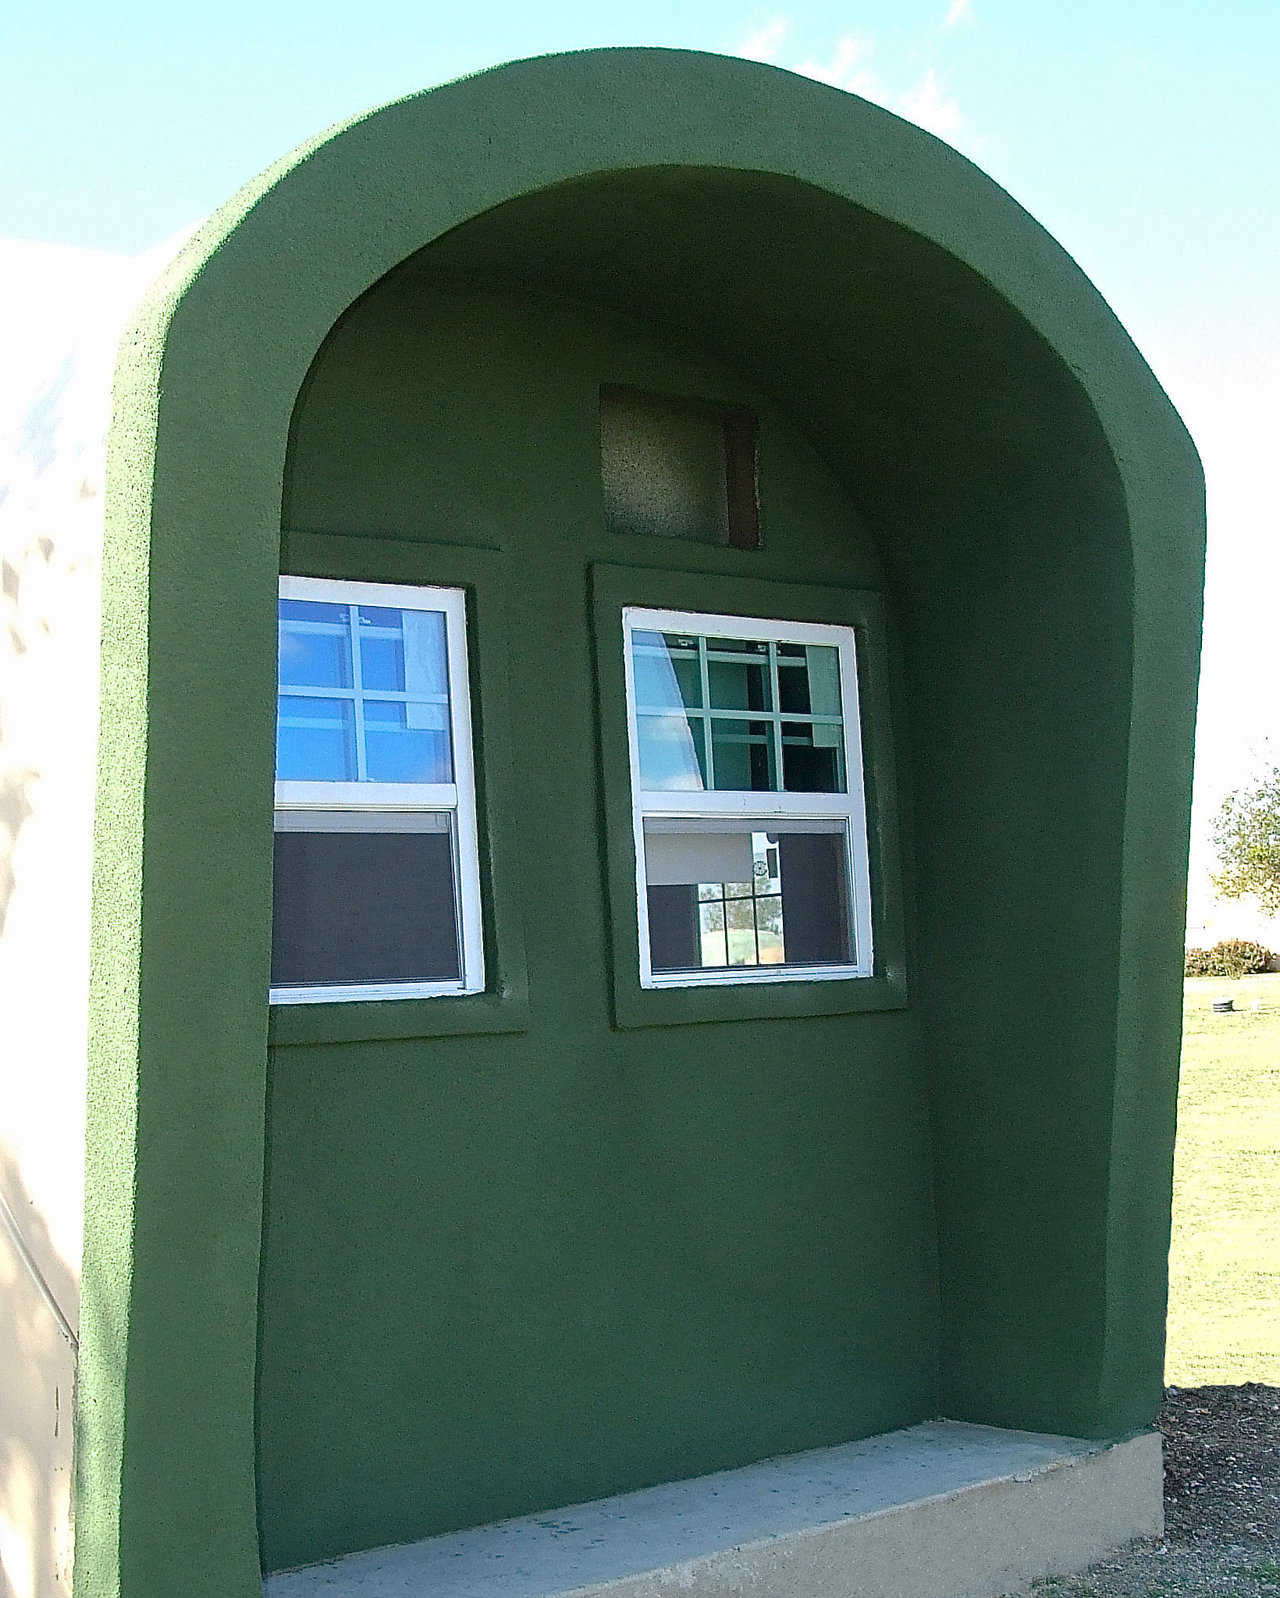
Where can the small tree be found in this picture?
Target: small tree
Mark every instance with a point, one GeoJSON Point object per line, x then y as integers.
{"type": "Point", "coordinates": [1246, 835]}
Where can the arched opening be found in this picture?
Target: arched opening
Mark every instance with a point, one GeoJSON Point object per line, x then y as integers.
{"type": "Point", "coordinates": [760, 1249]}
{"type": "Point", "coordinates": [962, 1207]}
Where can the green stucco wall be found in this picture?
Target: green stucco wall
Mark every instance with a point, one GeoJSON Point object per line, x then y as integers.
{"type": "Point", "coordinates": [547, 1226]}
{"type": "Point", "coordinates": [508, 1272]}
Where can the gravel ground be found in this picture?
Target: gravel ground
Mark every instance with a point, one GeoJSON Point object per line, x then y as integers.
{"type": "Point", "coordinates": [1221, 1506]}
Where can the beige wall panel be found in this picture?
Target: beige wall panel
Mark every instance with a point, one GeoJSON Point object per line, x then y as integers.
{"type": "Point", "coordinates": [37, 1373]}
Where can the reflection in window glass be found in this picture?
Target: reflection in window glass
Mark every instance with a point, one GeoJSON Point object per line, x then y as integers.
{"type": "Point", "coordinates": [744, 755]}
{"type": "Point", "coordinates": [673, 753]}
{"type": "Point", "coordinates": [737, 715]}
{"type": "Point", "coordinates": [401, 746]}
{"type": "Point", "coordinates": [668, 675]}
{"type": "Point", "coordinates": [315, 739]}
{"type": "Point", "coordinates": [812, 759]}
{"type": "Point", "coordinates": [315, 644]}
{"type": "Point", "coordinates": [368, 696]}
{"type": "Point", "coordinates": [723, 896]}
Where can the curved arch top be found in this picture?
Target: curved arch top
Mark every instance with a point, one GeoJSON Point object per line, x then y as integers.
{"type": "Point", "coordinates": [323, 224]}
{"type": "Point", "coordinates": [856, 210]}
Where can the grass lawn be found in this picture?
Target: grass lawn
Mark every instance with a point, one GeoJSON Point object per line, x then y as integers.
{"type": "Point", "coordinates": [1224, 1265]}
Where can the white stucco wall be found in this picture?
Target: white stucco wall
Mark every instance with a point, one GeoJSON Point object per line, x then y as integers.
{"type": "Point", "coordinates": [61, 314]}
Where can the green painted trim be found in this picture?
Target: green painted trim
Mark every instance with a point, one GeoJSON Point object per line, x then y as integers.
{"type": "Point", "coordinates": [504, 1006]}
{"type": "Point", "coordinates": [615, 586]}
{"type": "Point", "coordinates": [205, 389]}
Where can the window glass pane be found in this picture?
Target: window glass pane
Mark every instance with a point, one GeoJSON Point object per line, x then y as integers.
{"type": "Point", "coordinates": [738, 674]}
{"type": "Point", "coordinates": [768, 912]}
{"type": "Point", "coordinates": [382, 659]}
{"type": "Point", "coordinates": [426, 661]}
{"type": "Point", "coordinates": [407, 742]}
{"type": "Point", "coordinates": [823, 663]}
{"type": "Point", "coordinates": [672, 751]}
{"type": "Point", "coordinates": [736, 692]}
{"type": "Point", "coordinates": [365, 906]}
{"type": "Point", "coordinates": [404, 650]}
{"type": "Point", "coordinates": [744, 756]}
{"type": "Point", "coordinates": [711, 934]}
{"type": "Point", "coordinates": [315, 739]}
{"type": "Point", "coordinates": [667, 672]}
{"type": "Point", "coordinates": [315, 610]}
{"type": "Point", "coordinates": [740, 924]}
{"type": "Point", "coordinates": [400, 656]}
{"type": "Point", "coordinates": [315, 645]}
{"type": "Point", "coordinates": [809, 679]}
{"type": "Point", "coordinates": [812, 758]}
{"type": "Point", "coordinates": [793, 910]}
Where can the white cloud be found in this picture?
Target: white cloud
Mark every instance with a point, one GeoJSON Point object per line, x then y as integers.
{"type": "Point", "coordinates": [929, 106]}
{"type": "Point", "coordinates": [957, 12]}
{"type": "Point", "coordinates": [764, 41]}
{"type": "Point", "coordinates": [847, 67]}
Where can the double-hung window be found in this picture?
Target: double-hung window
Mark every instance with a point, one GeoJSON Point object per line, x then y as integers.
{"type": "Point", "coordinates": [377, 891]}
{"type": "Point", "coordinates": [748, 811]}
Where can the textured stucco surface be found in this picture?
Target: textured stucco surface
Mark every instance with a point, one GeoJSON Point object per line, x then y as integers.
{"type": "Point", "coordinates": [1038, 511]}
{"type": "Point", "coordinates": [713, 1221]}
{"type": "Point", "coordinates": [59, 329]}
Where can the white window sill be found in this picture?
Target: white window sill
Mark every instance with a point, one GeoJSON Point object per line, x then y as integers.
{"type": "Point", "coordinates": [368, 991]}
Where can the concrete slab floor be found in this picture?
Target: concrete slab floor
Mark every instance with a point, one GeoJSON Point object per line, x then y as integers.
{"type": "Point", "coordinates": [940, 1510]}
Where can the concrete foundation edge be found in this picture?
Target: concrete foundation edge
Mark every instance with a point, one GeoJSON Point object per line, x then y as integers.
{"type": "Point", "coordinates": [979, 1542]}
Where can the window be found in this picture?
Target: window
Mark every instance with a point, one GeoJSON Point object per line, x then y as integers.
{"type": "Point", "coordinates": [748, 813]}
{"type": "Point", "coordinates": [678, 468]}
{"type": "Point", "coordinates": [377, 889]}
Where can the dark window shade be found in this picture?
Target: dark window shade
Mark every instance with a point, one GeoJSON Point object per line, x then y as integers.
{"type": "Point", "coordinates": [364, 907]}
{"type": "Point", "coordinates": [673, 928]}
{"type": "Point", "coordinates": [815, 898]}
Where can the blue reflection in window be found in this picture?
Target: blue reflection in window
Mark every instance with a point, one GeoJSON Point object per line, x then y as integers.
{"type": "Point", "coordinates": [315, 645]}
{"type": "Point", "coordinates": [407, 743]}
{"type": "Point", "coordinates": [315, 740]}
{"type": "Point", "coordinates": [395, 727]}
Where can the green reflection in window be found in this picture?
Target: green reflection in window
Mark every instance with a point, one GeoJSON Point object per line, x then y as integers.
{"type": "Point", "coordinates": [745, 715]}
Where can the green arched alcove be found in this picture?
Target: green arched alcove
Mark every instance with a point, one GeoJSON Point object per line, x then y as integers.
{"type": "Point", "coordinates": [956, 422]}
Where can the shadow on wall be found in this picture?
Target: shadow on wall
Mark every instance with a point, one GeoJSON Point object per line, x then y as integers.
{"type": "Point", "coordinates": [38, 1361]}
{"type": "Point", "coordinates": [15, 810]}
{"type": "Point", "coordinates": [15, 778]}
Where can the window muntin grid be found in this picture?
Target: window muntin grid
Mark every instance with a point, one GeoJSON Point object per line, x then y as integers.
{"type": "Point", "coordinates": [737, 714]}
{"type": "Point", "coordinates": [364, 694]}
{"type": "Point", "coordinates": [794, 689]}
{"type": "Point", "coordinates": [743, 921]}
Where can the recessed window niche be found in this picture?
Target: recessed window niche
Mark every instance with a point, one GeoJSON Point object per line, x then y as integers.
{"type": "Point", "coordinates": [678, 468]}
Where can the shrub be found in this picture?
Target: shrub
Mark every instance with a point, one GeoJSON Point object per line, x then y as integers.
{"type": "Point", "coordinates": [1233, 957]}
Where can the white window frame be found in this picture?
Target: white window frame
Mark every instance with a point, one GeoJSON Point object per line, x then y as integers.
{"type": "Point", "coordinates": [385, 801]}
{"type": "Point", "coordinates": [764, 807]}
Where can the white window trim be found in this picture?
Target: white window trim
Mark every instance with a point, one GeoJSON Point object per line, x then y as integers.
{"type": "Point", "coordinates": [850, 806]}
{"type": "Point", "coordinates": [389, 799]}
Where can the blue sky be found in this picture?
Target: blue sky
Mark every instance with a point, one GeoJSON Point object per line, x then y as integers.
{"type": "Point", "coordinates": [1142, 134]}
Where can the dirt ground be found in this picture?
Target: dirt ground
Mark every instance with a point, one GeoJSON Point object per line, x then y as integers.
{"type": "Point", "coordinates": [1221, 1505]}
